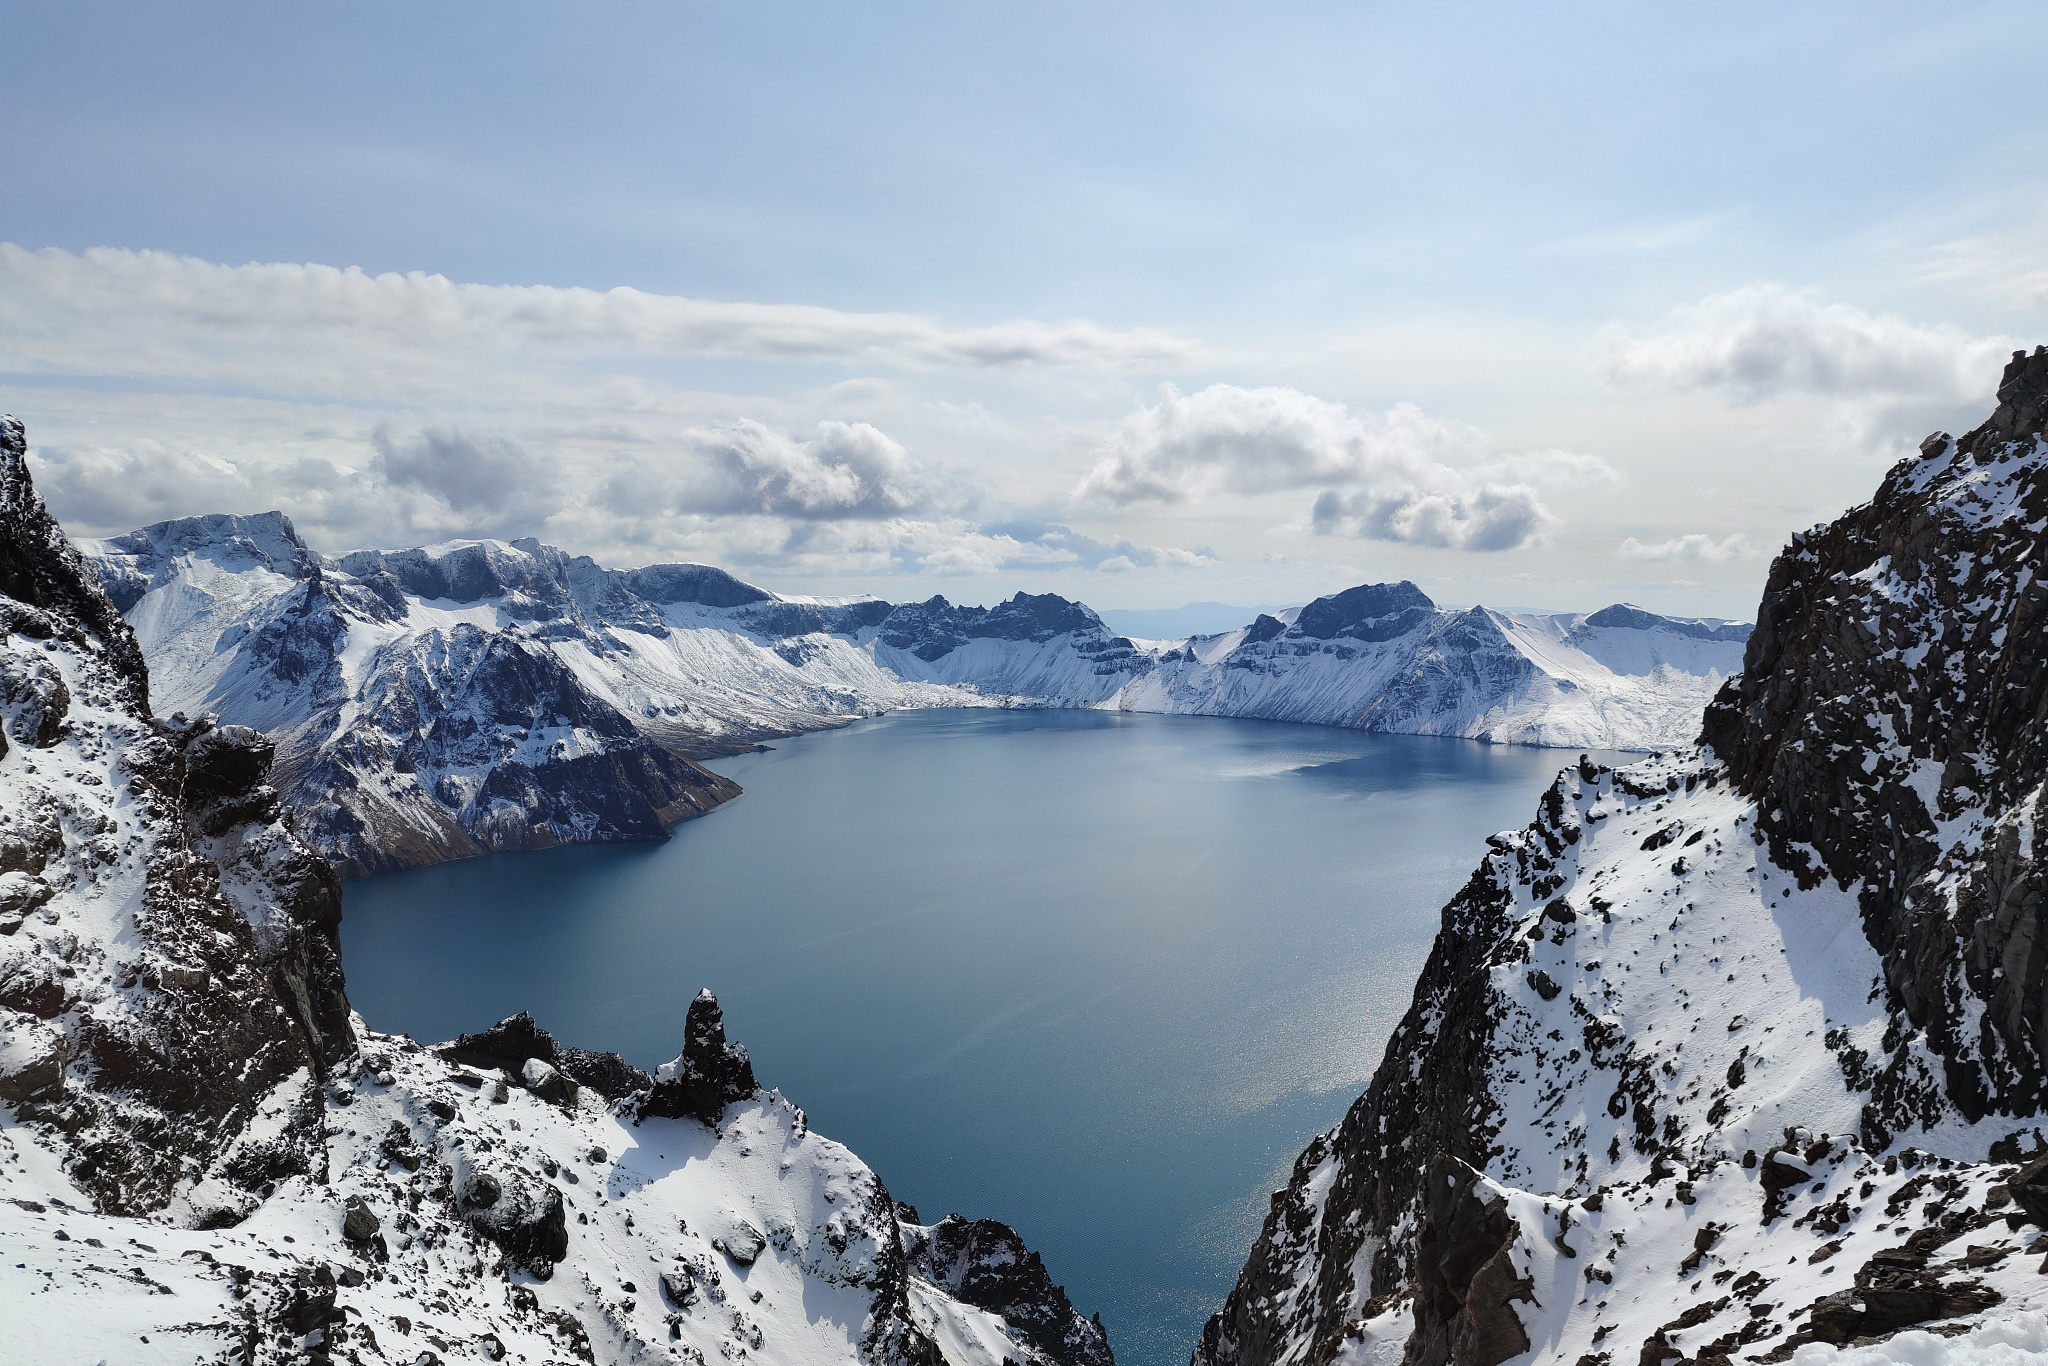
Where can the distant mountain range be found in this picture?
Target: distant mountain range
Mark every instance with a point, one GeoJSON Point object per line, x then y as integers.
{"type": "Point", "coordinates": [485, 695]}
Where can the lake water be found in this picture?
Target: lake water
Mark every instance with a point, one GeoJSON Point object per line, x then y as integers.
{"type": "Point", "coordinates": [1094, 974]}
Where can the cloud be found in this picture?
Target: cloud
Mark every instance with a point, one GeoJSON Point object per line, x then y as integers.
{"type": "Point", "coordinates": [111, 311]}
{"type": "Point", "coordinates": [842, 471]}
{"type": "Point", "coordinates": [1491, 517]}
{"type": "Point", "coordinates": [844, 499]}
{"type": "Point", "coordinates": [490, 478]}
{"type": "Point", "coordinates": [1765, 340]}
{"type": "Point", "coordinates": [111, 488]}
{"type": "Point", "coordinates": [1404, 476]}
{"type": "Point", "coordinates": [846, 470]}
{"type": "Point", "coordinates": [948, 547]}
{"type": "Point", "coordinates": [1694, 547]}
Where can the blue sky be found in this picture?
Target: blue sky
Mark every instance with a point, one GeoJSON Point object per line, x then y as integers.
{"type": "Point", "coordinates": [1539, 307]}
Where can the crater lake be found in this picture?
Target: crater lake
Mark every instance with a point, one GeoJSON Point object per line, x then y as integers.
{"type": "Point", "coordinates": [1098, 975]}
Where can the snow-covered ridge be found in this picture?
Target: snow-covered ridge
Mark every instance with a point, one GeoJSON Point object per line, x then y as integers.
{"type": "Point", "coordinates": [1735, 1053]}
{"type": "Point", "coordinates": [482, 695]}
{"type": "Point", "coordinates": [205, 1156]}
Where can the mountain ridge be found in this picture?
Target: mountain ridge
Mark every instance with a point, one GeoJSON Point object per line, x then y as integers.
{"type": "Point", "coordinates": [489, 695]}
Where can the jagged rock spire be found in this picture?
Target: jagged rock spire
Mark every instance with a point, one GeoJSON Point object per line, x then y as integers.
{"type": "Point", "coordinates": [709, 1074]}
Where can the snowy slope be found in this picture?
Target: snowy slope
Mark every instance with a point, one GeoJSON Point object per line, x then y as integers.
{"type": "Point", "coordinates": [482, 695]}
{"type": "Point", "coordinates": [1736, 1052]}
{"type": "Point", "coordinates": [1616, 679]}
{"type": "Point", "coordinates": [206, 1157]}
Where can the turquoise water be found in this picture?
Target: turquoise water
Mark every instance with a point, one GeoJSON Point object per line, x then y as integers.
{"type": "Point", "coordinates": [1097, 975]}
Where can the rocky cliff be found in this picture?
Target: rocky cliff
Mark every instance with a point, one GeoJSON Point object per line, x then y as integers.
{"type": "Point", "coordinates": [1736, 1049]}
{"type": "Point", "coordinates": [205, 1156]}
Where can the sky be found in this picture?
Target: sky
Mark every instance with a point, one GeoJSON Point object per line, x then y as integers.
{"type": "Point", "coordinates": [1144, 304]}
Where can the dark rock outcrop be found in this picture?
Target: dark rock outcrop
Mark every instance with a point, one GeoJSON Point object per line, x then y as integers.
{"type": "Point", "coordinates": [1894, 1289]}
{"type": "Point", "coordinates": [986, 1264]}
{"type": "Point", "coordinates": [45, 588]}
{"type": "Point", "coordinates": [1464, 1278]}
{"type": "Point", "coordinates": [707, 1076]}
{"type": "Point", "coordinates": [465, 705]}
{"type": "Point", "coordinates": [935, 628]}
{"type": "Point", "coordinates": [1625, 616]}
{"type": "Point", "coordinates": [517, 1039]}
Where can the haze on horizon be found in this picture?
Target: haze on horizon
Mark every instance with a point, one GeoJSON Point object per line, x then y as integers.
{"type": "Point", "coordinates": [1163, 304]}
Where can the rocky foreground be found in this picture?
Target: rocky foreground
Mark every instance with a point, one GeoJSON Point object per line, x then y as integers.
{"type": "Point", "coordinates": [205, 1156]}
{"type": "Point", "coordinates": [1738, 1051]}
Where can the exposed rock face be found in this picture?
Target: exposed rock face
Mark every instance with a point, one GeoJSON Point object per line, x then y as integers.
{"type": "Point", "coordinates": [1671, 1072]}
{"type": "Point", "coordinates": [1373, 611]}
{"type": "Point", "coordinates": [170, 981]}
{"type": "Point", "coordinates": [985, 1264]}
{"type": "Point", "coordinates": [1897, 687]}
{"type": "Point", "coordinates": [707, 1076]}
{"type": "Point", "coordinates": [43, 583]}
{"type": "Point", "coordinates": [1465, 1277]}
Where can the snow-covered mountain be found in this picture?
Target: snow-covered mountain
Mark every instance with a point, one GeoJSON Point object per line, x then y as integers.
{"type": "Point", "coordinates": [206, 1156]}
{"type": "Point", "coordinates": [1742, 1047]}
{"type": "Point", "coordinates": [483, 695]}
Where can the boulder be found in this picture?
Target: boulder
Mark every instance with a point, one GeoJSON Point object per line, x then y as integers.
{"type": "Point", "coordinates": [528, 1221]}
{"type": "Point", "coordinates": [35, 693]}
{"type": "Point", "coordinates": [742, 1242]}
{"type": "Point", "coordinates": [2029, 1190]}
{"type": "Point", "coordinates": [547, 1082]}
{"type": "Point", "coordinates": [358, 1223]}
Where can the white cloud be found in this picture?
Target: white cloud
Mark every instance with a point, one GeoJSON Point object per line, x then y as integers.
{"type": "Point", "coordinates": [1404, 476]}
{"type": "Point", "coordinates": [1693, 547]}
{"type": "Point", "coordinates": [111, 311]}
{"type": "Point", "coordinates": [1765, 340]}
{"type": "Point", "coordinates": [847, 470]}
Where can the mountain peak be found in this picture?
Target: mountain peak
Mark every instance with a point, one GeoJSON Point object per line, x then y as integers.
{"type": "Point", "coordinates": [2022, 404]}
{"type": "Point", "coordinates": [1371, 611]}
